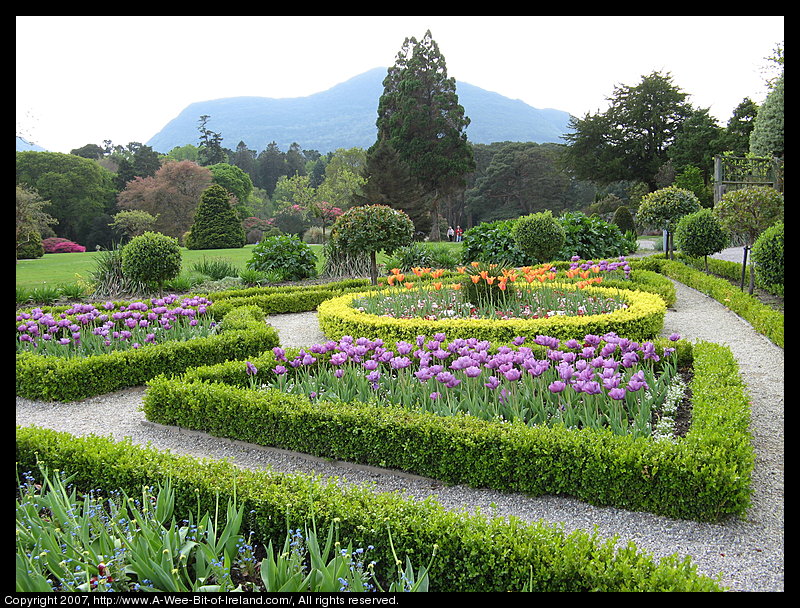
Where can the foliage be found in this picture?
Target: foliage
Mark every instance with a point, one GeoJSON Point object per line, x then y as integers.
{"type": "Point", "coordinates": [663, 208]}
{"type": "Point", "coordinates": [691, 178]}
{"type": "Point", "coordinates": [630, 140]}
{"type": "Point", "coordinates": [151, 257]}
{"type": "Point", "coordinates": [77, 189]}
{"type": "Point", "coordinates": [700, 234]}
{"type": "Point", "coordinates": [589, 237]}
{"type": "Point", "coordinates": [623, 220]}
{"type": "Point", "coordinates": [57, 244]}
{"type": "Point", "coordinates": [766, 138]}
{"type": "Point", "coordinates": [768, 258]}
{"type": "Point", "coordinates": [31, 221]}
{"type": "Point", "coordinates": [242, 333]}
{"type": "Point", "coordinates": [216, 225]}
{"type": "Point", "coordinates": [749, 211]}
{"type": "Point", "coordinates": [233, 179]}
{"type": "Point", "coordinates": [132, 223]}
{"type": "Point", "coordinates": [372, 228]}
{"type": "Point", "coordinates": [107, 279]}
{"type": "Point", "coordinates": [286, 256]}
{"type": "Point", "coordinates": [539, 236]}
{"type": "Point", "coordinates": [419, 115]}
{"type": "Point", "coordinates": [171, 195]}
{"type": "Point", "coordinates": [492, 242]}
{"type": "Point", "coordinates": [473, 551]}
{"type": "Point", "coordinates": [437, 255]}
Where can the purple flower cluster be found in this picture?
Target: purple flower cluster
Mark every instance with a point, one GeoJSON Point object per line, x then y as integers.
{"type": "Point", "coordinates": [597, 365]}
{"type": "Point", "coordinates": [602, 265]}
{"type": "Point", "coordinates": [110, 325]}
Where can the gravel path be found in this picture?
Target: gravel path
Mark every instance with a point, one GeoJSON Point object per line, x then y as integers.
{"type": "Point", "coordinates": [748, 553]}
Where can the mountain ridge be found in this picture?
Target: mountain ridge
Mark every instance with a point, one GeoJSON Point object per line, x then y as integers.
{"type": "Point", "coordinates": [344, 116]}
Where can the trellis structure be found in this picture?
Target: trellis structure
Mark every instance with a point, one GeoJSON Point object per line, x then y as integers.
{"type": "Point", "coordinates": [734, 172]}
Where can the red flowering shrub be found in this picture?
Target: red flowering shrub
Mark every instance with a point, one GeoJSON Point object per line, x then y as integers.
{"type": "Point", "coordinates": [60, 245]}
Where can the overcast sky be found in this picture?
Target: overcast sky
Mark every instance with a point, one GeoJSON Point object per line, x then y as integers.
{"type": "Point", "coordinates": [85, 79]}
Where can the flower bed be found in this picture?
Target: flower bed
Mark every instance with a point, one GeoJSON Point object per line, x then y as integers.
{"type": "Point", "coordinates": [704, 475]}
{"type": "Point", "coordinates": [641, 319]}
{"type": "Point", "coordinates": [242, 333]}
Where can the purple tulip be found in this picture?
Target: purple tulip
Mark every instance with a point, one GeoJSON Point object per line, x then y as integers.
{"type": "Point", "coordinates": [493, 382]}
{"type": "Point", "coordinates": [251, 370]}
{"type": "Point", "coordinates": [617, 393]}
{"type": "Point", "coordinates": [557, 386]}
{"type": "Point", "coordinates": [472, 371]}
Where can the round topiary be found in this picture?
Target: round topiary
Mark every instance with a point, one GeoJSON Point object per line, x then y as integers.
{"type": "Point", "coordinates": [216, 225]}
{"type": "Point", "coordinates": [662, 209]}
{"type": "Point", "coordinates": [700, 234]}
{"type": "Point", "coordinates": [768, 258]}
{"type": "Point", "coordinates": [151, 257]}
{"type": "Point", "coordinates": [539, 236]}
{"type": "Point", "coordinates": [624, 219]}
{"type": "Point", "coordinates": [371, 228]}
{"type": "Point", "coordinates": [284, 257]}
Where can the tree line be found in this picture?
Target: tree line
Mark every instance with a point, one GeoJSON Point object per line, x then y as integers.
{"type": "Point", "coordinates": [421, 163]}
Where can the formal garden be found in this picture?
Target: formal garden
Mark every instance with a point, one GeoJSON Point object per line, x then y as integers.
{"type": "Point", "coordinates": [505, 363]}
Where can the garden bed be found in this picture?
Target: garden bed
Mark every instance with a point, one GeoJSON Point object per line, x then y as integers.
{"type": "Point", "coordinates": [704, 475]}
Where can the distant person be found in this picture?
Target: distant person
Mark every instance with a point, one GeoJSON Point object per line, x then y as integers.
{"type": "Point", "coordinates": [450, 233]}
{"type": "Point", "coordinates": [459, 233]}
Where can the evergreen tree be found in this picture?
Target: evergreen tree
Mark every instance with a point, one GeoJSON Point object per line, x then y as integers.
{"type": "Point", "coordinates": [630, 140]}
{"type": "Point", "coordinates": [767, 136]}
{"type": "Point", "coordinates": [210, 148]}
{"type": "Point", "coordinates": [216, 225]}
{"type": "Point", "coordinates": [271, 166]}
{"type": "Point", "coordinates": [420, 117]}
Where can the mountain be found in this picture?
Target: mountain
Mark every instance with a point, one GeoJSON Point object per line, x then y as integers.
{"type": "Point", "coordinates": [344, 117]}
{"type": "Point", "coordinates": [25, 146]}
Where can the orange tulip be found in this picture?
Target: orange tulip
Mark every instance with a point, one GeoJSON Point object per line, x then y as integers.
{"type": "Point", "coordinates": [408, 285]}
{"type": "Point", "coordinates": [437, 285]}
{"type": "Point", "coordinates": [475, 278]}
{"type": "Point", "coordinates": [475, 264]}
{"type": "Point", "coordinates": [490, 280]}
{"type": "Point", "coordinates": [437, 273]}
{"type": "Point", "coordinates": [501, 285]}
{"type": "Point", "coordinates": [395, 271]}
{"type": "Point", "coordinates": [401, 277]}
{"type": "Point", "coordinates": [456, 286]}
{"type": "Point", "coordinates": [390, 280]}
{"type": "Point", "coordinates": [460, 269]}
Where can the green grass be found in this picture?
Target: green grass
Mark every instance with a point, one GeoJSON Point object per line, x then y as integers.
{"type": "Point", "coordinates": [55, 269]}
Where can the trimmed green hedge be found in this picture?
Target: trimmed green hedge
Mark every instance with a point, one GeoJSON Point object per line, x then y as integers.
{"type": "Point", "coordinates": [705, 476]}
{"type": "Point", "coordinates": [243, 333]}
{"type": "Point", "coordinates": [473, 553]}
{"type": "Point", "coordinates": [643, 319]}
{"type": "Point", "coordinates": [764, 319]}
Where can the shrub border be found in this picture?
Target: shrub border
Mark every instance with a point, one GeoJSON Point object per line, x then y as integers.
{"type": "Point", "coordinates": [705, 476]}
{"type": "Point", "coordinates": [643, 319]}
{"type": "Point", "coordinates": [244, 333]}
{"type": "Point", "coordinates": [474, 553]}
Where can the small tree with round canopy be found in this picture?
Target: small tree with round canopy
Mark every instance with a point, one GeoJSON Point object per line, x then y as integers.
{"type": "Point", "coordinates": [369, 229]}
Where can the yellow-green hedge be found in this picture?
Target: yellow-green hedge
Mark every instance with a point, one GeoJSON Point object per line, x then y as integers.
{"type": "Point", "coordinates": [642, 320]}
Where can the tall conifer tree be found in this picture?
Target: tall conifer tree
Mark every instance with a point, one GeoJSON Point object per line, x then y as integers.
{"type": "Point", "coordinates": [420, 118]}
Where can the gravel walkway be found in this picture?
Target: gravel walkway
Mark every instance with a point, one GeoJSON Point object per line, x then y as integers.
{"type": "Point", "coordinates": [749, 552]}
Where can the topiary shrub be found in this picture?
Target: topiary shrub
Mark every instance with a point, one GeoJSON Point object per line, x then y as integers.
{"type": "Point", "coordinates": [768, 259]}
{"type": "Point", "coordinates": [216, 225]}
{"type": "Point", "coordinates": [372, 228]}
{"type": "Point", "coordinates": [284, 257]}
{"type": "Point", "coordinates": [539, 236]}
{"type": "Point", "coordinates": [151, 257]}
{"type": "Point", "coordinates": [623, 220]}
{"type": "Point", "coordinates": [700, 234]}
{"type": "Point", "coordinates": [662, 209]}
